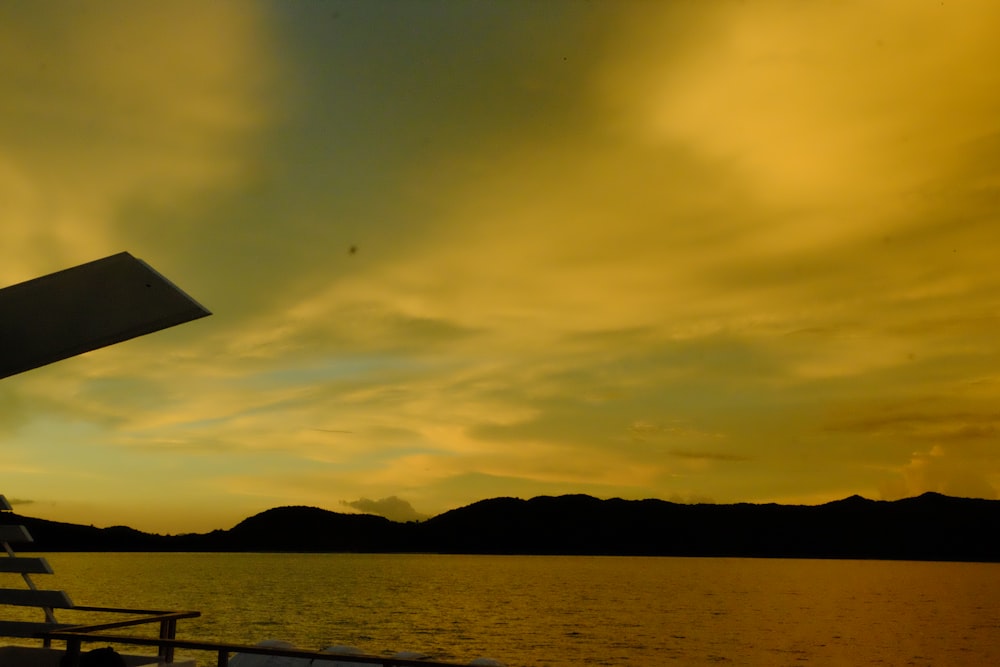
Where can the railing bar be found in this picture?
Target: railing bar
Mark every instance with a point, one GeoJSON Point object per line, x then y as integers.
{"type": "Point", "coordinates": [143, 612]}
{"type": "Point", "coordinates": [220, 647]}
{"type": "Point", "coordinates": [128, 622]}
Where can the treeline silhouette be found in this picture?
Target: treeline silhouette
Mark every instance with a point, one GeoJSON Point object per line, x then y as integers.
{"type": "Point", "coordinates": [928, 527]}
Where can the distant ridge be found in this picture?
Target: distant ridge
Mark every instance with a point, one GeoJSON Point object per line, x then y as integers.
{"type": "Point", "coordinates": [928, 527]}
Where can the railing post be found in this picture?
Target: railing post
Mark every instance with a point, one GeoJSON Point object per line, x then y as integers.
{"type": "Point", "coordinates": [72, 653]}
{"type": "Point", "coordinates": [168, 630]}
{"type": "Point", "coordinates": [223, 660]}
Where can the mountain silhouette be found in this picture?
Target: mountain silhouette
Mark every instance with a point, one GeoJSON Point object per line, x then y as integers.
{"type": "Point", "coordinates": [928, 527]}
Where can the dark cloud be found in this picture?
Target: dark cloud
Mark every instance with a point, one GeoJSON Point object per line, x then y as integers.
{"type": "Point", "coordinates": [935, 420]}
{"type": "Point", "coordinates": [393, 508]}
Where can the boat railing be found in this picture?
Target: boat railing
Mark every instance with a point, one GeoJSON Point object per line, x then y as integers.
{"type": "Point", "coordinates": [48, 601]}
{"type": "Point", "coordinates": [76, 636]}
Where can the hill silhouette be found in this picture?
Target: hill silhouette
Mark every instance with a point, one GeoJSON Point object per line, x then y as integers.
{"type": "Point", "coordinates": [928, 527]}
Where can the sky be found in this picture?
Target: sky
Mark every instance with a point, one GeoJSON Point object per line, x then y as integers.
{"type": "Point", "coordinates": [698, 251]}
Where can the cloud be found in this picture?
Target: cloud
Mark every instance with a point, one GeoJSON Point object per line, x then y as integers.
{"type": "Point", "coordinates": [708, 456]}
{"type": "Point", "coordinates": [834, 136]}
{"type": "Point", "coordinates": [942, 470]}
{"type": "Point", "coordinates": [113, 104]}
{"type": "Point", "coordinates": [650, 430]}
{"type": "Point", "coordinates": [392, 508]}
{"type": "Point", "coordinates": [814, 104]}
{"type": "Point", "coordinates": [965, 416]}
{"type": "Point", "coordinates": [20, 501]}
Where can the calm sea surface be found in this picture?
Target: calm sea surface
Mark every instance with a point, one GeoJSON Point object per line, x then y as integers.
{"type": "Point", "coordinates": [562, 611]}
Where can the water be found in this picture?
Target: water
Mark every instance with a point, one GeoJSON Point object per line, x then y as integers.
{"type": "Point", "coordinates": [562, 611]}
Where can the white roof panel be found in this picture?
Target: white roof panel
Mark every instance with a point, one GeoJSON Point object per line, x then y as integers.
{"type": "Point", "coordinates": [93, 305]}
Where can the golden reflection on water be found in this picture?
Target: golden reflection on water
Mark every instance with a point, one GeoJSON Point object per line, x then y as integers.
{"type": "Point", "coordinates": [562, 611]}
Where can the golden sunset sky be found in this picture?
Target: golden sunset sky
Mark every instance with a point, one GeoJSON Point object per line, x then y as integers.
{"type": "Point", "coordinates": [697, 251]}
